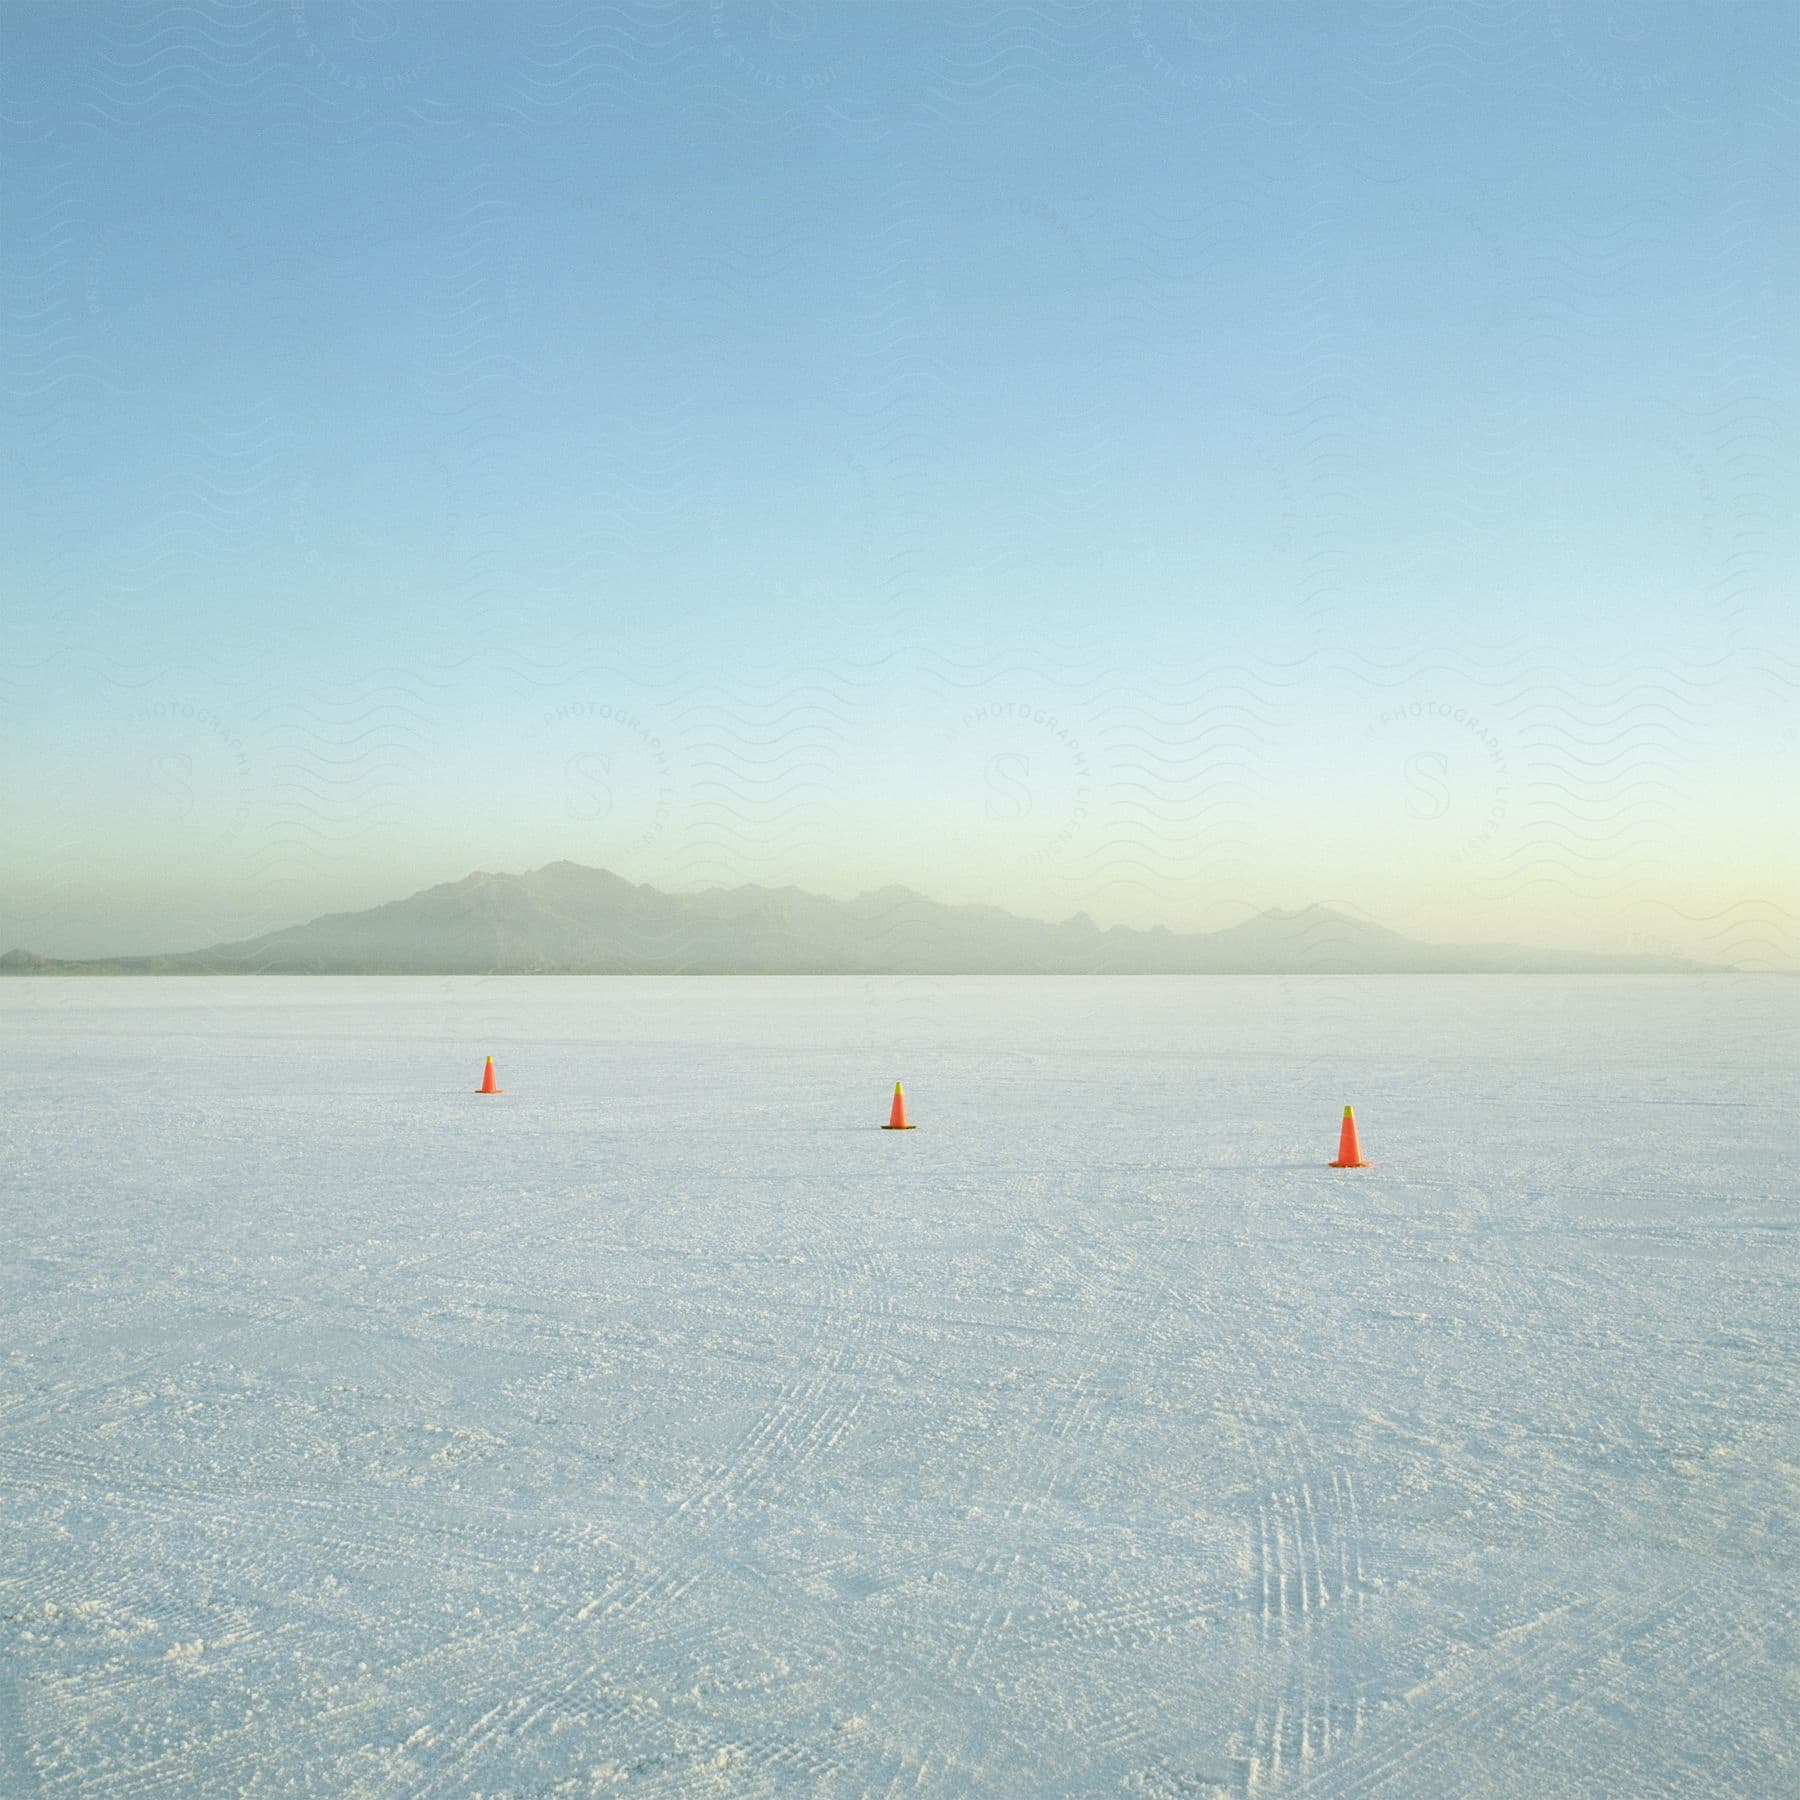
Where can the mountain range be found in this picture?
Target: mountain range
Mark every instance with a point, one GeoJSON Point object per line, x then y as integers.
{"type": "Point", "coordinates": [565, 919]}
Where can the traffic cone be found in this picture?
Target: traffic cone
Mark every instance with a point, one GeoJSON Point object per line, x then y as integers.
{"type": "Point", "coordinates": [1349, 1154]}
{"type": "Point", "coordinates": [897, 1118]}
{"type": "Point", "coordinates": [488, 1084]}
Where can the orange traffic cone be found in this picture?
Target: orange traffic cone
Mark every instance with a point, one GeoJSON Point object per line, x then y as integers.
{"type": "Point", "coordinates": [897, 1118]}
{"type": "Point", "coordinates": [488, 1084]}
{"type": "Point", "coordinates": [1349, 1154]}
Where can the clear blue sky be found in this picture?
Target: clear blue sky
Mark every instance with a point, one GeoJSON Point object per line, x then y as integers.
{"type": "Point", "coordinates": [1161, 461]}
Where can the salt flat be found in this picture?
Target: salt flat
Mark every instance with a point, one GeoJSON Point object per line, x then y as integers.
{"type": "Point", "coordinates": [664, 1425]}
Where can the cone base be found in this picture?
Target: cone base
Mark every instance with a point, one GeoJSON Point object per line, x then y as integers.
{"type": "Point", "coordinates": [1347, 1165]}
{"type": "Point", "coordinates": [899, 1128]}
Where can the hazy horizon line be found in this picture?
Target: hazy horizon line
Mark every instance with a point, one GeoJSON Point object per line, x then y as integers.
{"type": "Point", "coordinates": [23, 959]}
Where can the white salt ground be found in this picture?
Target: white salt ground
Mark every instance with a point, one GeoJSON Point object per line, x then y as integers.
{"type": "Point", "coordinates": [663, 1425]}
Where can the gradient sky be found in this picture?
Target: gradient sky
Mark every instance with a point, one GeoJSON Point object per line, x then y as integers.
{"type": "Point", "coordinates": [1158, 461]}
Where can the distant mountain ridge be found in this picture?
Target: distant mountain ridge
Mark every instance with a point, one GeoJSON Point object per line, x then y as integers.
{"type": "Point", "coordinates": [565, 919]}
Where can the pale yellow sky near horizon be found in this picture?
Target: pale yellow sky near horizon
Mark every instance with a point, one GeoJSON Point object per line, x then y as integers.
{"type": "Point", "coordinates": [1451, 810]}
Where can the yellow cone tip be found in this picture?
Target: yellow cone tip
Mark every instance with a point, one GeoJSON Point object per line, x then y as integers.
{"type": "Point", "coordinates": [1348, 1114]}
